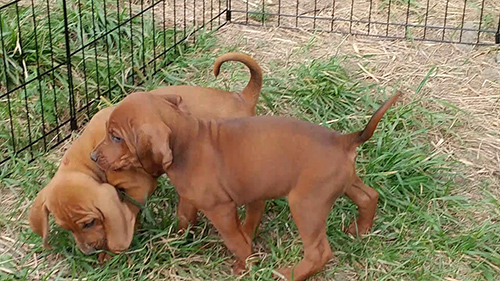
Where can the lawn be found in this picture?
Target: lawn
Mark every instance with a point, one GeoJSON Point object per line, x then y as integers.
{"type": "Point", "coordinates": [424, 228]}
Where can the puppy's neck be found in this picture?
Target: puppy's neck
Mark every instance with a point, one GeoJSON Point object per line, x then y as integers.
{"type": "Point", "coordinates": [185, 130]}
{"type": "Point", "coordinates": [189, 133]}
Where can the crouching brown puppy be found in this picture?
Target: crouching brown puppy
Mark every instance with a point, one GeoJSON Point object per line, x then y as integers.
{"type": "Point", "coordinates": [83, 199]}
{"type": "Point", "coordinates": [217, 165]}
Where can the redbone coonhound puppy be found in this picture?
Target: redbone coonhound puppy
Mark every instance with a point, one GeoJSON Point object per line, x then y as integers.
{"type": "Point", "coordinates": [82, 198]}
{"type": "Point", "coordinates": [217, 165]}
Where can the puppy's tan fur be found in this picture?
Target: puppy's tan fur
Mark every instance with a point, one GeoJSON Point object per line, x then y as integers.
{"type": "Point", "coordinates": [218, 165]}
{"type": "Point", "coordinates": [82, 197]}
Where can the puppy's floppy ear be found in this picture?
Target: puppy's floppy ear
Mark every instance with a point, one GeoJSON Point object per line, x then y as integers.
{"type": "Point", "coordinates": [118, 219]}
{"type": "Point", "coordinates": [39, 216]}
{"type": "Point", "coordinates": [153, 146]}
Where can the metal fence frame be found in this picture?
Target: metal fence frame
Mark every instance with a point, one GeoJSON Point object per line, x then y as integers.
{"type": "Point", "coordinates": [187, 18]}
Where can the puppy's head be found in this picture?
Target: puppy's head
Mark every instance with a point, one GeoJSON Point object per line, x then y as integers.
{"type": "Point", "coordinates": [137, 135]}
{"type": "Point", "coordinates": [93, 212]}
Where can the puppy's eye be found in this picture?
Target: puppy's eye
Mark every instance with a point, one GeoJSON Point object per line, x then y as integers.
{"type": "Point", "coordinates": [115, 138]}
{"type": "Point", "coordinates": [89, 224]}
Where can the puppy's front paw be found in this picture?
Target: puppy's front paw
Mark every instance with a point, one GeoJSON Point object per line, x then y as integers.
{"type": "Point", "coordinates": [47, 246]}
{"type": "Point", "coordinates": [284, 273]}
{"type": "Point", "coordinates": [239, 268]}
{"type": "Point", "coordinates": [182, 226]}
{"type": "Point", "coordinates": [103, 257]}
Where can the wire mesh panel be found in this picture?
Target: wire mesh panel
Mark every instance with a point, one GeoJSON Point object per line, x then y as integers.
{"type": "Point", "coordinates": [58, 58]}
{"type": "Point", "coordinates": [454, 21]}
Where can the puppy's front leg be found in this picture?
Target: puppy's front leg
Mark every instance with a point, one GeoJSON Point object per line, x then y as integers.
{"type": "Point", "coordinates": [254, 212]}
{"type": "Point", "coordinates": [225, 219]}
{"type": "Point", "coordinates": [186, 213]}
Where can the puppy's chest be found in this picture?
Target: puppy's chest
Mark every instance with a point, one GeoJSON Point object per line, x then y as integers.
{"type": "Point", "coordinates": [197, 178]}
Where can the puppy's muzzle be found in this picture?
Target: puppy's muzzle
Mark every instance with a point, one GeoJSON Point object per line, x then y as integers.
{"type": "Point", "coordinates": [93, 156]}
{"type": "Point", "coordinates": [87, 249]}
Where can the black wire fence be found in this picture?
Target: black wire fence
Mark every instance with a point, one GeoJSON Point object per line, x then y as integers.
{"type": "Point", "coordinates": [59, 57]}
{"type": "Point", "coordinates": [452, 21]}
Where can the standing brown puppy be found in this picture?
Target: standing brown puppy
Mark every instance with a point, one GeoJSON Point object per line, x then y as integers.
{"type": "Point", "coordinates": [219, 165]}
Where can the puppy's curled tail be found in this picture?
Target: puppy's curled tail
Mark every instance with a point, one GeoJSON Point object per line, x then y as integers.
{"type": "Point", "coordinates": [358, 138]}
{"type": "Point", "coordinates": [252, 91]}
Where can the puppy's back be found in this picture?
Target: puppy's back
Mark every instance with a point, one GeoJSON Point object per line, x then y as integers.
{"type": "Point", "coordinates": [209, 103]}
{"type": "Point", "coordinates": [275, 151]}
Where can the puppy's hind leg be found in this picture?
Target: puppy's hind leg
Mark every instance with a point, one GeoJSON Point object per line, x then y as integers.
{"type": "Point", "coordinates": [366, 199]}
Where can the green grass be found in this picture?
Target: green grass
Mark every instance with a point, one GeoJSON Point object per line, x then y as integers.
{"type": "Point", "coordinates": [423, 230]}
{"type": "Point", "coordinates": [260, 13]}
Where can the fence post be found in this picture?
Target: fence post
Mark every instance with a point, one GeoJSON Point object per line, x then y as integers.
{"type": "Point", "coordinates": [72, 109]}
{"type": "Point", "coordinates": [228, 10]}
{"type": "Point", "coordinates": [497, 36]}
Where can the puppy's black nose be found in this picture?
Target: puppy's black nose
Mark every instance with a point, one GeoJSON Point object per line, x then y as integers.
{"type": "Point", "coordinates": [93, 156]}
